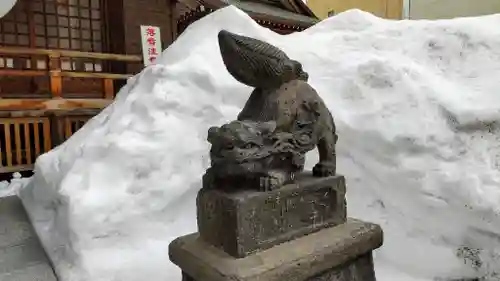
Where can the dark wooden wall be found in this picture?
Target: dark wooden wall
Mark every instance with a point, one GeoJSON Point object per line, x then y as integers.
{"type": "Point", "coordinates": [123, 27]}
{"type": "Point", "coordinates": [146, 12]}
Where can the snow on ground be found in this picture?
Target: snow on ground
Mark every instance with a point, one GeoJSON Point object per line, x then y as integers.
{"type": "Point", "coordinates": [12, 187]}
{"type": "Point", "coordinates": [417, 107]}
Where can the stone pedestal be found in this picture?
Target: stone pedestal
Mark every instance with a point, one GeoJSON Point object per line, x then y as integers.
{"type": "Point", "coordinates": [296, 233]}
{"type": "Point", "coordinates": [241, 222]}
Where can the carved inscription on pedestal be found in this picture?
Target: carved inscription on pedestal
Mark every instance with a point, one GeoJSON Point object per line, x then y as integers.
{"type": "Point", "coordinates": [297, 211]}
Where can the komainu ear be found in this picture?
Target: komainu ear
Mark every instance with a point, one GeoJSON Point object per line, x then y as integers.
{"type": "Point", "coordinates": [299, 71]}
{"type": "Point", "coordinates": [213, 132]}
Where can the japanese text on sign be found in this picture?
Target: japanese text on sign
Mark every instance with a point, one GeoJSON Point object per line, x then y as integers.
{"type": "Point", "coordinates": [151, 43]}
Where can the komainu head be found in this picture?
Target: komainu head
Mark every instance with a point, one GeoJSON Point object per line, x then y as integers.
{"type": "Point", "coordinates": [247, 149]}
{"type": "Point", "coordinates": [240, 142]}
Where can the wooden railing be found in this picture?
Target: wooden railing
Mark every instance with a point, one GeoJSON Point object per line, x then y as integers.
{"type": "Point", "coordinates": [32, 126]}
{"type": "Point", "coordinates": [71, 124]}
{"type": "Point", "coordinates": [55, 73]}
{"type": "Point", "coordinates": [24, 139]}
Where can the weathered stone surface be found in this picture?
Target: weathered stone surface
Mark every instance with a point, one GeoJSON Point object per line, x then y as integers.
{"type": "Point", "coordinates": [282, 120]}
{"type": "Point", "coordinates": [360, 269]}
{"type": "Point", "coordinates": [243, 221]}
{"type": "Point", "coordinates": [21, 254]}
{"type": "Point", "coordinates": [346, 247]}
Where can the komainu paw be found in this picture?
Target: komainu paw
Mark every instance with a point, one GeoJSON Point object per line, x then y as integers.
{"type": "Point", "coordinates": [324, 169]}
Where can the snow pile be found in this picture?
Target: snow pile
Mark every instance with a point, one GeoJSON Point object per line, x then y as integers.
{"type": "Point", "coordinates": [6, 6]}
{"type": "Point", "coordinates": [416, 105]}
{"type": "Point", "coordinates": [12, 188]}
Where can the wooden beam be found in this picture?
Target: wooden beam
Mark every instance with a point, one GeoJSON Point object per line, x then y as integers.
{"type": "Point", "coordinates": [18, 72]}
{"type": "Point", "coordinates": [27, 141]}
{"type": "Point", "coordinates": [36, 139]}
{"type": "Point", "coordinates": [102, 56]}
{"type": "Point", "coordinates": [71, 54]}
{"type": "Point", "coordinates": [173, 20]}
{"type": "Point", "coordinates": [13, 169]}
{"type": "Point", "coordinates": [95, 75]}
{"type": "Point", "coordinates": [109, 89]}
{"type": "Point", "coordinates": [67, 127]}
{"type": "Point", "coordinates": [52, 104]}
{"type": "Point", "coordinates": [47, 141]}
{"type": "Point", "coordinates": [17, 142]}
{"type": "Point", "coordinates": [34, 73]}
{"type": "Point", "coordinates": [56, 83]}
{"type": "Point", "coordinates": [8, 143]}
{"type": "Point", "coordinates": [55, 75]}
{"type": "Point", "coordinates": [41, 113]}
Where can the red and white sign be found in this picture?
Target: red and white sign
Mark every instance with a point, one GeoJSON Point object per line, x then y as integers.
{"type": "Point", "coordinates": [151, 43]}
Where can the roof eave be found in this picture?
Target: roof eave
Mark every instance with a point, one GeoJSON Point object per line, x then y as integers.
{"type": "Point", "coordinates": [280, 20]}
{"type": "Point", "coordinates": [217, 4]}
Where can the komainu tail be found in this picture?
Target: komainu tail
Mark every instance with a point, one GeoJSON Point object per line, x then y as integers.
{"type": "Point", "coordinates": [253, 62]}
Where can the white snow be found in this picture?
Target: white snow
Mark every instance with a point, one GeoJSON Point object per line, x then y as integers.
{"type": "Point", "coordinates": [6, 6]}
{"type": "Point", "coordinates": [416, 104]}
{"type": "Point", "coordinates": [12, 187]}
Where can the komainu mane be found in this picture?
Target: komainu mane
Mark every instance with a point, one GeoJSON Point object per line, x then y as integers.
{"type": "Point", "coordinates": [283, 119]}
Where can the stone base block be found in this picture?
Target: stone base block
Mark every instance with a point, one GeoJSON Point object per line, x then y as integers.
{"type": "Point", "coordinates": [359, 269]}
{"type": "Point", "coordinates": [340, 253]}
{"type": "Point", "coordinates": [242, 222]}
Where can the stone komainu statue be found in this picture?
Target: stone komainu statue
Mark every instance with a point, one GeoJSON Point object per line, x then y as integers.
{"type": "Point", "coordinates": [283, 119]}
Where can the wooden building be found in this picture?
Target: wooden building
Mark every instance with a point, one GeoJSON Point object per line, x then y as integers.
{"type": "Point", "coordinates": [62, 61]}
{"type": "Point", "coordinates": [282, 16]}
{"type": "Point", "coordinates": [391, 9]}
{"type": "Point", "coordinates": [408, 9]}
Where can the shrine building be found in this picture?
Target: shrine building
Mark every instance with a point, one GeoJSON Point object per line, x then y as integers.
{"type": "Point", "coordinates": [62, 61]}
